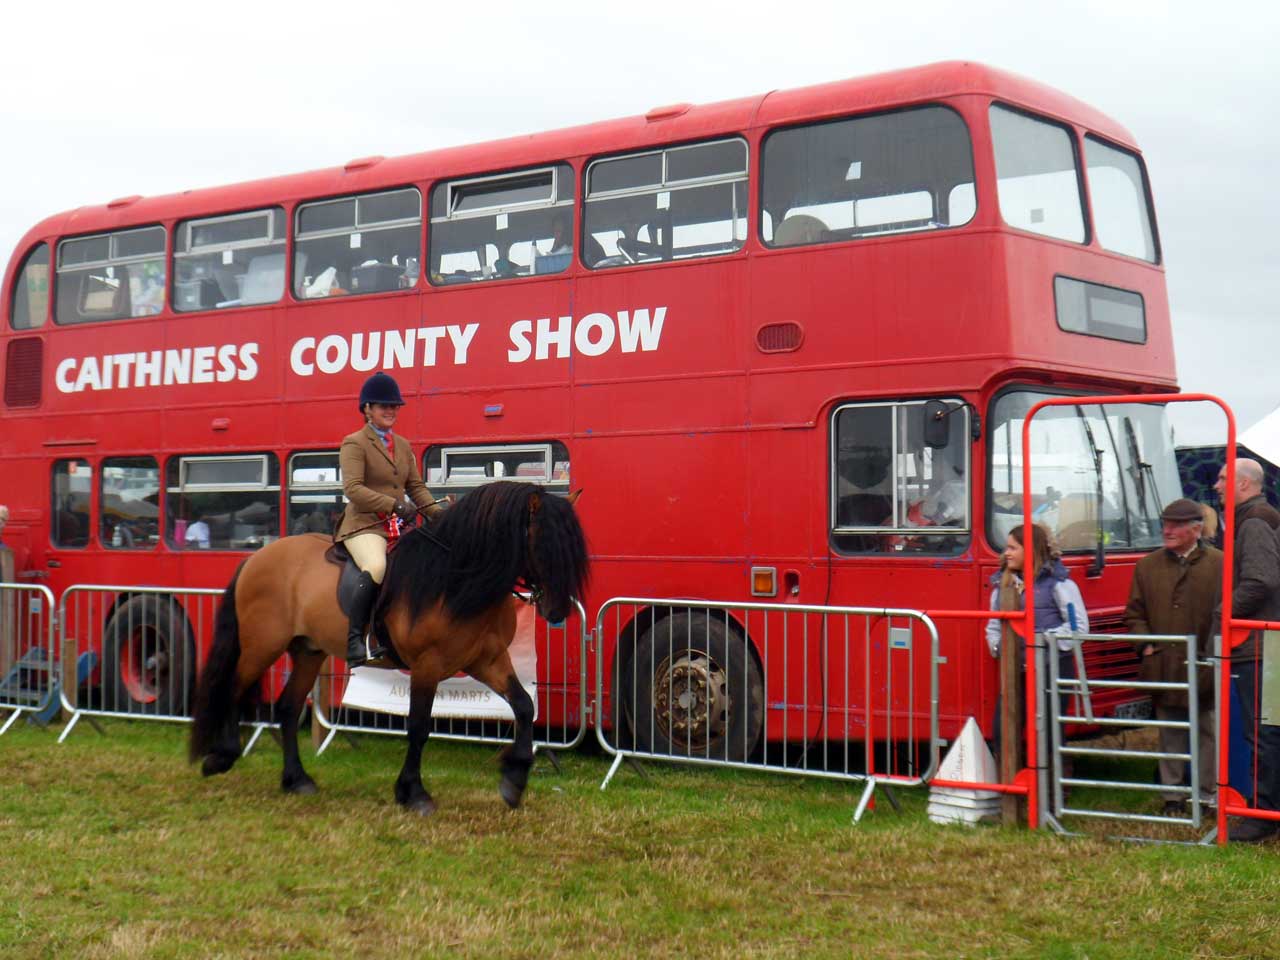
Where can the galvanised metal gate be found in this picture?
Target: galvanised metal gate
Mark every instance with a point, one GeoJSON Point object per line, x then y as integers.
{"type": "Point", "coordinates": [1061, 795]}
{"type": "Point", "coordinates": [838, 692]}
{"type": "Point", "coordinates": [145, 645]}
{"type": "Point", "coordinates": [28, 654]}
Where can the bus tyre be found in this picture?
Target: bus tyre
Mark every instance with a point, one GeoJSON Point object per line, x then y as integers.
{"type": "Point", "coordinates": [148, 658]}
{"type": "Point", "coordinates": [698, 691]}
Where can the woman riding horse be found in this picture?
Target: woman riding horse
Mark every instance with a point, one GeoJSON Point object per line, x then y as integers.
{"type": "Point", "coordinates": [378, 467]}
{"type": "Point", "coordinates": [446, 606]}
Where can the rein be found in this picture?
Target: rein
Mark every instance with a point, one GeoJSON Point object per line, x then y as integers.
{"type": "Point", "coordinates": [378, 523]}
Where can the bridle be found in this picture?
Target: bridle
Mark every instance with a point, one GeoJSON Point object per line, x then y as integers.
{"type": "Point", "coordinates": [531, 581]}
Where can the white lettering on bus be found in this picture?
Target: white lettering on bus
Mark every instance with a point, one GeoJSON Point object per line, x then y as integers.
{"type": "Point", "coordinates": [461, 340]}
{"type": "Point", "coordinates": [203, 364]}
{"type": "Point", "coordinates": [248, 361]}
{"type": "Point", "coordinates": [152, 368]}
{"type": "Point", "coordinates": [582, 341]}
{"type": "Point", "coordinates": [360, 351]}
{"type": "Point", "coordinates": [149, 367]}
{"type": "Point", "coordinates": [177, 366]}
{"type": "Point", "coordinates": [430, 336]}
{"type": "Point", "coordinates": [593, 335]}
{"type": "Point", "coordinates": [547, 336]}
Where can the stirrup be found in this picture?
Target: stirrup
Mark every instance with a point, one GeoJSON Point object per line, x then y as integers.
{"type": "Point", "coordinates": [369, 652]}
{"type": "Point", "coordinates": [357, 656]}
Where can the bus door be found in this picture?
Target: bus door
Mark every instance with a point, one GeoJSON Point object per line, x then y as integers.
{"type": "Point", "coordinates": [900, 535]}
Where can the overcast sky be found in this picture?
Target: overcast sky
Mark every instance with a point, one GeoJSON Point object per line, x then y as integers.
{"type": "Point", "coordinates": [105, 100]}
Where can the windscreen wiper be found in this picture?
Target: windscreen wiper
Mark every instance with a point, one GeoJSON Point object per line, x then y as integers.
{"type": "Point", "coordinates": [1127, 514]}
{"type": "Point", "coordinates": [1100, 553]}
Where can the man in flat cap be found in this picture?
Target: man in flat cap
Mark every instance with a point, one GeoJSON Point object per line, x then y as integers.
{"type": "Point", "coordinates": [1255, 595]}
{"type": "Point", "coordinates": [1175, 590]}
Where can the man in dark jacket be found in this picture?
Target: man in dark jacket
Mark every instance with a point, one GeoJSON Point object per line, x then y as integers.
{"type": "Point", "coordinates": [1255, 595]}
{"type": "Point", "coordinates": [1174, 591]}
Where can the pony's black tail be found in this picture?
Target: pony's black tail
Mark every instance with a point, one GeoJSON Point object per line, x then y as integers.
{"type": "Point", "coordinates": [215, 710]}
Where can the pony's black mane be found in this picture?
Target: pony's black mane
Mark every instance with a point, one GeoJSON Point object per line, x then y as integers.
{"type": "Point", "coordinates": [473, 555]}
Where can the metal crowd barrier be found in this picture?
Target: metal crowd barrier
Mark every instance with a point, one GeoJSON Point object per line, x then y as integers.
{"type": "Point", "coordinates": [137, 652]}
{"type": "Point", "coordinates": [836, 692]}
{"type": "Point", "coordinates": [560, 697]}
{"type": "Point", "coordinates": [28, 658]}
{"type": "Point", "coordinates": [1265, 707]}
{"type": "Point", "coordinates": [1080, 689]}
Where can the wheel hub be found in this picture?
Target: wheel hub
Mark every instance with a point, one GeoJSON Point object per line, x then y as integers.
{"type": "Point", "coordinates": [144, 665]}
{"type": "Point", "coordinates": [691, 700]}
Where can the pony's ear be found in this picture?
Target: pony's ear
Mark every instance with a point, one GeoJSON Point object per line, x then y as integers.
{"type": "Point", "coordinates": [573, 497]}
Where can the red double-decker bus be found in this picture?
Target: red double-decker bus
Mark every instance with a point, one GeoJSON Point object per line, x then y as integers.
{"type": "Point", "coordinates": [785, 343]}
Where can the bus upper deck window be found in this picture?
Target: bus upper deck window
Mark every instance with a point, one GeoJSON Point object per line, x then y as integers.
{"type": "Point", "coordinates": [670, 204]}
{"type": "Point", "coordinates": [30, 303]}
{"type": "Point", "coordinates": [112, 276]}
{"type": "Point", "coordinates": [229, 261]}
{"type": "Point", "coordinates": [498, 227]}
{"type": "Point", "coordinates": [364, 244]}
{"type": "Point", "coordinates": [866, 177]}
{"type": "Point", "coordinates": [1037, 178]}
{"type": "Point", "coordinates": [1121, 201]}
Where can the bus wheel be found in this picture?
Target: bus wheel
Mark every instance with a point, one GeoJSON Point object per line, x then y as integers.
{"type": "Point", "coordinates": [698, 691]}
{"type": "Point", "coordinates": [148, 658]}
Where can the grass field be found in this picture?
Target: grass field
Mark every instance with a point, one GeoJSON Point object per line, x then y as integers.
{"type": "Point", "coordinates": [114, 847]}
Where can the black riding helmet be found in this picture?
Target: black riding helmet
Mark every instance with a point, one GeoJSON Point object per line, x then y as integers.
{"type": "Point", "coordinates": [380, 388]}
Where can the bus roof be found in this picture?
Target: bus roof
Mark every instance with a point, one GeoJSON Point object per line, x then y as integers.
{"type": "Point", "coordinates": [661, 125]}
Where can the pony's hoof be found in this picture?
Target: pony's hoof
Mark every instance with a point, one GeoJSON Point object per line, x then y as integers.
{"type": "Point", "coordinates": [511, 794]}
{"type": "Point", "coordinates": [423, 807]}
{"type": "Point", "coordinates": [302, 788]}
{"type": "Point", "coordinates": [215, 763]}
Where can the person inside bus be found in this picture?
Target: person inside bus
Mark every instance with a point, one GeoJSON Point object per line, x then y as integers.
{"type": "Point", "coordinates": [316, 521]}
{"type": "Point", "coordinates": [378, 469]}
{"type": "Point", "coordinates": [197, 534]}
{"type": "Point", "coordinates": [4, 520]}
{"type": "Point", "coordinates": [1060, 610]}
{"type": "Point", "coordinates": [122, 535]}
{"type": "Point", "coordinates": [557, 258]}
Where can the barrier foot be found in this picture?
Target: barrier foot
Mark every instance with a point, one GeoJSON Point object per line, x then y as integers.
{"type": "Point", "coordinates": [1051, 822]}
{"type": "Point", "coordinates": [892, 796]}
{"type": "Point", "coordinates": [328, 739]}
{"type": "Point", "coordinates": [867, 792]}
{"type": "Point", "coordinates": [617, 762]}
{"type": "Point", "coordinates": [9, 723]}
{"type": "Point", "coordinates": [257, 732]}
{"type": "Point", "coordinates": [71, 725]}
{"type": "Point", "coordinates": [555, 760]}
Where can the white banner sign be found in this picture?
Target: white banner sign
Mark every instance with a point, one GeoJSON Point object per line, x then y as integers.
{"type": "Point", "coordinates": [460, 697]}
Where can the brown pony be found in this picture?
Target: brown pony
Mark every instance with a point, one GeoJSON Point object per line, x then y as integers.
{"type": "Point", "coordinates": [445, 604]}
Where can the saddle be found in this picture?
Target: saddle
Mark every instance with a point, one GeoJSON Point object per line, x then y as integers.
{"type": "Point", "coordinates": [338, 556]}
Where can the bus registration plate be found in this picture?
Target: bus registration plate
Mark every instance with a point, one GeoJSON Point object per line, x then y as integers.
{"type": "Point", "coordinates": [1133, 710]}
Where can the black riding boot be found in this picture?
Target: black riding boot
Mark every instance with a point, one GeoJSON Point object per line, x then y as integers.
{"type": "Point", "coordinates": [366, 593]}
